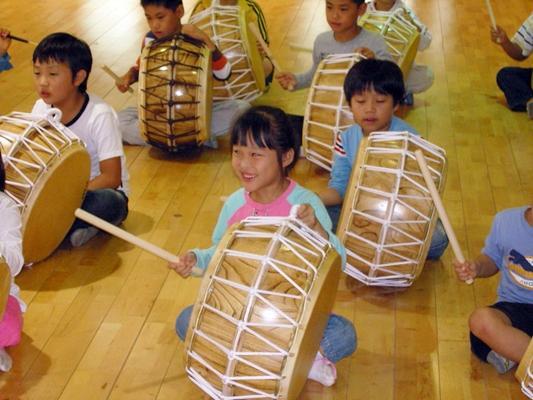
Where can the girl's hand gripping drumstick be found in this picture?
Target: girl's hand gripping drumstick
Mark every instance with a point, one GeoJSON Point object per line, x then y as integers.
{"type": "Point", "coordinates": [440, 208]}
{"type": "Point", "coordinates": [116, 78]}
{"type": "Point", "coordinates": [128, 237]}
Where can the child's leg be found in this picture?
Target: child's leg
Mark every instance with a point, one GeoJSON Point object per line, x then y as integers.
{"type": "Point", "coordinates": [334, 213]}
{"type": "Point", "coordinates": [224, 115]}
{"type": "Point", "coordinates": [182, 322]}
{"type": "Point", "coordinates": [420, 79]}
{"type": "Point", "coordinates": [515, 84]}
{"type": "Point", "coordinates": [128, 120]}
{"type": "Point", "coordinates": [439, 242]}
{"type": "Point", "coordinates": [10, 331]}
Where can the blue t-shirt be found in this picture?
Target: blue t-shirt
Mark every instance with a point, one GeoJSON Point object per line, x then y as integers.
{"type": "Point", "coordinates": [4, 63]}
{"type": "Point", "coordinates": [346, 148]}
{"type": "Point", "coordinates": [510, 246]}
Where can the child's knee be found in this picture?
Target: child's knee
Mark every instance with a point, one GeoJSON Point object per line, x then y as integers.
{"type": "Point", "coordinates": [182, 322]}
{"type": "Point", "coordinates": [483, 322]}
{"type": "Point", "coordinates": [340, 338]}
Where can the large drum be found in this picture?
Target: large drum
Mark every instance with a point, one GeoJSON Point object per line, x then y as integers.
{"type": "Point", "coordinates": [402, 35]}
{"type": "Point", "coordinates": [227, 26]}
{"type": "Point", "coordinates": [388, 216]}
{"type": "Point", "coordinates": [5, 285]}
{"type": "Point", "coordinates": [524, 372]}
{"type": "Point", "coordinates": [327, 113]}
{"type": "Point", "coordinates": [175, 93]}
{"type": "Point", "coordinates": [47, 170]}
{"type": "Point", "coordinates": [261, 311]}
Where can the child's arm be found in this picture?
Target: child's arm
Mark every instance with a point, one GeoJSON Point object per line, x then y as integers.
{"type": "Point", "coordinates": [110, 175]}
{"type": "Point", "coordinates": [306, 214]}
{"type": "Point", "coordinates": [10, 236]}
{"type": "Point", "coordinates": [128, 79]}
{"type": "Point", "coordinates": [5, 41]}
{"type": "Point", "coordinates": [499, 36]}
{"type": "Point", "coordinates": [184, 265]}
{"type": "Point", "coordinates": [481, 267]}
{"type": "Point", "coordinates": [425, 35]}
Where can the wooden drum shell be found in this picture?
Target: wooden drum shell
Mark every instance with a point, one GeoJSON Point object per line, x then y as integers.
{"type": "Point", "coordinates": [524, 372]}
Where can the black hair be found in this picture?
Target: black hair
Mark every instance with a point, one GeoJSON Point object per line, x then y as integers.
{"type": "Point", "coordinates": [64, 48]}
{"type": "Point", "coordinates": [2, 173]}
{"type": "Point", "coordinates": [170, 4]}
{"type": "Point", "coordinates": [268, 127]}
{"type": "Point", "coordinates": [358, 2]}
{"type": "Point", "coordinates": [383, 76]}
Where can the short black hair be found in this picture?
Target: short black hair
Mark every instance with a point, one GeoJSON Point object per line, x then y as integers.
{"type": "Point", "coordinates": [64, 48]}
{"type": "Point", "coordinates": [383, 76]}
{"type": "Point", "coordinates": [359, 2]}
{"type": "Point", "coordinates": [2, 173]}
{"type": "Point", "coordinates": [170, 4]}
{"type": "Point", "coordinates": [268, 127]}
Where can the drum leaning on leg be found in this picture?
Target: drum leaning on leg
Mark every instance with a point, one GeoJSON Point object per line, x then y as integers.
{"type": "Point", "coordinates": [47, 171]}
{"type": "Point", "coordinates": [524, 372]}
{"type": "Point", "coordinates": [261, 310]}
{"type": "Point", "coordinates": [388, 216]}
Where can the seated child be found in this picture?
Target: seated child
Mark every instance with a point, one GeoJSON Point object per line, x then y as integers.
{"type": "Point", "coordinates": [5, 42]}
{"type": "Point", "coordinates": [11, 251]}
{"type": "Point", "coordinates": [421, 77]}
{"type": "Point", "coordinates": [373, 88]}
{"type": "Point", "coordinates": [164, 19]}
{"type": "Point", "coordinates": [517, 83]}
{"type": "Point", "coordinates": [61, 65]}
{"type": "Point", "coordinates": [264, 150]}
{"type": "Point", "coordinates": [345, 37]}
{"type": "Point", "coordinates": [500, 333]}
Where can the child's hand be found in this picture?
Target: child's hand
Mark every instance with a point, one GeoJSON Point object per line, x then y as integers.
{"type": "Point", "coordinates": [196, 33]}
{"type": "Point", "coordinates": [465, 271]}
{"type": "Point", "coordinates": [184, 264]}
{"type": "Point", "coordinates": [126, 80]}
{"type": "Point", "coordinates": [5, 41]}
{"type": "Point", "coordinates": [306, 214]}
{"type": "Point", "coordinates": [498, 36]}
{"type": "Point", "coordinates": [366, 52]}
{"type": "Point", "coordinates": [287, 80]}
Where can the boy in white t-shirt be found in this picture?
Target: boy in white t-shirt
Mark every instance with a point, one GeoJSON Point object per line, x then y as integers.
{"type": "Point", "coordinates": [62, 64]}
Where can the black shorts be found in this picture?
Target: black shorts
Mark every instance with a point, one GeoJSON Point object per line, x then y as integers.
{"type": "Point", "coordinates": [520, 314]}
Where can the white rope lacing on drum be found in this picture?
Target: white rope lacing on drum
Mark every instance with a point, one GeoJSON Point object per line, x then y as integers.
{"type": "Point", "coordinates": [278, 241]}
{"type": "Point", "coordinates": [527, 382]}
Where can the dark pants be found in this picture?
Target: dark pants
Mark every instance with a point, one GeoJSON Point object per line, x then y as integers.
{"type": "Point", "coordinates": [515, 84]}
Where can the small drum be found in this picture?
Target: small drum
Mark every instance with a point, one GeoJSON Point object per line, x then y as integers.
{"type": "Point", "coordinates": [175, 93]}
{"type": "Point", "coordinates": [227, 26]}
{"type": "Point", "coordinates": [261, 311]}
{"type": "Point", "coordinates": [5, 285]}
{"type": "Point", "coordinates": [402, 36]}
{"type": "Point", "coordinates": [524, 372]}
{"type": "Point", "coordinates": [388, 216]}
{"type": "Point", "coordinates": [327, 113]}
{"type": "Point", "coordinates": [47, 170]}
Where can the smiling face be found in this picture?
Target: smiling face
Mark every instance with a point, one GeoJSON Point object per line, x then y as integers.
{"type": "Point", "coordinates": [372, 111]}
{"type": "Point", "coordinates": [163, 21]}
{"type": "Point", "coordinates": [342, 17]}
{"type": "Point", "coordinates": [54, 82]}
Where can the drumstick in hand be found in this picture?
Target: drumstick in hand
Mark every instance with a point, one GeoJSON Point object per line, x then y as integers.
{"type": "Point", "coordinates": [264, 46]}
{"type": "Point", "coordinates": [19, 39]}
{"type": "Point", "coordinates": [128, 237]}
{"type": "Point", "coordinates": [491, 14]}
{"type": "Point", "coordinates": [112, 74]}
{"type": "Point", "coordinates": [440, 209]}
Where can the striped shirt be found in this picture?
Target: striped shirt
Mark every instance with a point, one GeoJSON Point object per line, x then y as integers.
{"type": "Point", "coordinates": [524, 36]}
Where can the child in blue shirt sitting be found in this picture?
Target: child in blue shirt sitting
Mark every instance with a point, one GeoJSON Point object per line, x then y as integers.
{"type": "Point", "coordinates": [373, 89]}
{"type": "Point", "coordinates": [5, 42]}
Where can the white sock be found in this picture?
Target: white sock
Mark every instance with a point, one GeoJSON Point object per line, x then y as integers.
{"type": "Point", "coordinates": [323, 371]}
{"type": "Point", "coordinates": [5, 360]}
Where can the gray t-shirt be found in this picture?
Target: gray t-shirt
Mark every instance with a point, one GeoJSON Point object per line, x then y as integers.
{"type": "Point", "coordinates": [325, 44]}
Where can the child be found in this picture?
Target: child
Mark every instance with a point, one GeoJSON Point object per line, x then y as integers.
{"type": "Point", "coordinates": [421, 77]}
{"type": "Point", "coordinates": [62, 64]}
{"type": "Point", "coordinates": [345, 37]}
{"type": "Point", "coordinates": [264, 150]}
{"type": "Point", "coordinates": [11, 251]}
{"type": "Point", "coordinates": [164, 19]}
{"type": "Point", "coordinates": [500, 333]}
{"type": "Point", "coordinates": [5, 42]}
{"type": "Point", "coordinates": [373, 88]}
{"type": "Point", "coordinates": [517, 83]}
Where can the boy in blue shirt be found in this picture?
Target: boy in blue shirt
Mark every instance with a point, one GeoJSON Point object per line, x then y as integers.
{"type": "Point", "coordinates": [5, 42]}
{"type": "Point", "coordinates": [373, 89]}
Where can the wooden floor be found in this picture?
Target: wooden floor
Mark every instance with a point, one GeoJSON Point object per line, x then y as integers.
{"type": "Point", "coordinates": [100, 322]}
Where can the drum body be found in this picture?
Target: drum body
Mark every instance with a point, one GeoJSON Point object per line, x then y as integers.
{"type": "Point", "coordinates": [524, 372]}
{"type": "Point", "coordinates": [5, 285]}
{"type": "Point", "coordinates": [388, 216]}
{"type": "Point", "coordinates": [47, 171]}
{"type": "Point", "coordinates": [327, 113]}
{"type": "Point", "coordinates": [400, 34]}
{"type": "Point", "coordinates": [175, 94]}
{"type": "Point", "coordinates": [227, 26]}
{"type": "Point", "coordinates": [261, 311]}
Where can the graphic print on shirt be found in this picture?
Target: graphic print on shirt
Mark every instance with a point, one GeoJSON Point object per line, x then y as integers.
{"type": "Point", "coordinates": [339, 147]}
{"type": "Point", "coordinates": [521, 269]}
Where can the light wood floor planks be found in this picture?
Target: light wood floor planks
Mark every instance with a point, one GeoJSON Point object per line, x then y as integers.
{"type": "Point", "coordinates": [100, 322]}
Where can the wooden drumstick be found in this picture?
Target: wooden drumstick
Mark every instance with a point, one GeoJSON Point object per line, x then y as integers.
{"type": "Point", "coordinates": [264, 46]}
{"type": "Point", "coordinates": [112, 74]}
{"type": "Point", "coordinates": [440, 209]}
{"type": "Point", "coordinates": [491, 14]}
{"type": "Point", "coordinates": [128, 237]}
{"type": "Point", "coordinates": [19, 39]}
{"type": "Point", "coordinates": [300, 47]}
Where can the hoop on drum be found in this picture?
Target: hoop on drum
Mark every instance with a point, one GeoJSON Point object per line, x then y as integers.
{"type": "Point", "coordinates": [524, 372]}
{"type": "Point", "coordinates": [175, 93]}
{"type": "Point", "coordinates": [227, 26]}
{"type": "Point", "coordinates": [400, 34]}
{"type": "Point", "coordinates": [388, 216]}
{"type": "Point", "coordinates": [261, 311]}
{"type": "Point", "coordinates": [327, 113]}
{"type": "Point", "coordinates": [47, 170]}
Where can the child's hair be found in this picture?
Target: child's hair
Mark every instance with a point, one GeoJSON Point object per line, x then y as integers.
{"type": "Point", "coordinates": [64, 48]}
{"type": "Point", "coordinates": [170, 4]}
{"type": "Point", "coordinates": [267, 127]}
{"type": "Point", "coordinates": [385, 77]}
{"type": "Point", "coordinates": [2, 173]}
{"type": "Point", "coordinates": [358, 2]}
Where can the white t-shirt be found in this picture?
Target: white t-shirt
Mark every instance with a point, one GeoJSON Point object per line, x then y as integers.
{"type": "Point", "coordinates": [11, 242]}
{"type": "Point", "coordinates": [97, 127]}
